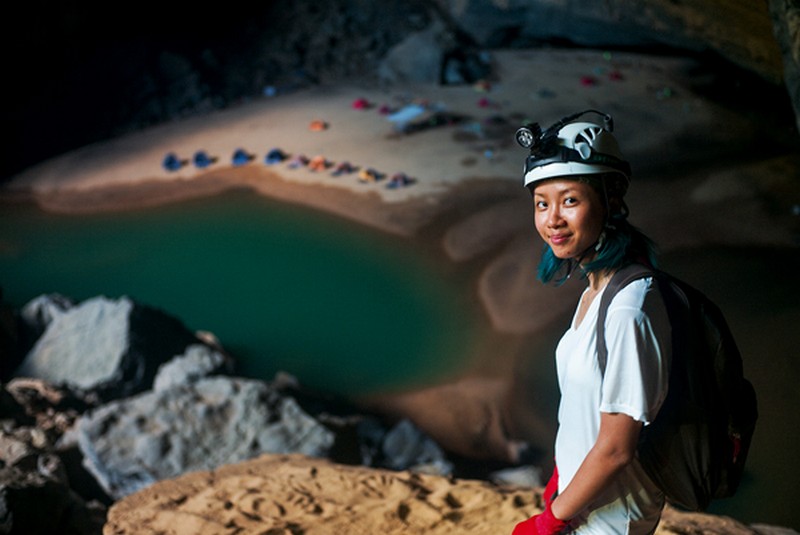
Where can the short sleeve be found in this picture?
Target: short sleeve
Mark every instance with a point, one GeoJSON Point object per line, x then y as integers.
{"type": "Point", "coordinates": [638, 341]}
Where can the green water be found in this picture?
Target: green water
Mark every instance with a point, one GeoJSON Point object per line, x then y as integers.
{"type": "Point", "coordinates": [283, 288]}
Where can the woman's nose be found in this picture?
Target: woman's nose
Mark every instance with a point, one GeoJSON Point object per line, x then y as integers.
{"type": "Point", "coordinates": [554, 218]}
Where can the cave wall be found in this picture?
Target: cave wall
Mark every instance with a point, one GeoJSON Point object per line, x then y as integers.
{"type": "Point", "coordinates": [786, 22]}
{"type": "Point", "coordinates": [758, 36]}
{"type": "Point", "coordinates": [738, 30]}
{"type": "Point", "coordinates": [82, 73]}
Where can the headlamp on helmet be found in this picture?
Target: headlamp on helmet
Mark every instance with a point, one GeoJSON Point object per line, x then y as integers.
{"type": "Point", "coordinates": [570, 148]}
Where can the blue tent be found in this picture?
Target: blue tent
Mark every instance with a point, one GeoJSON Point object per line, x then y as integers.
{"type": "Point", "coordinates": [201, 159]}
{"type": "Point", "coordinates": [172, 162]}
{"type": "Point", "coordinates": [241, 157]}
{"type": "Point", "coordinates": [274, 156]}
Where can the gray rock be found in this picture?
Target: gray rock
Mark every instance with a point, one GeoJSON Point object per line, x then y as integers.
{"type": "Point", "coordinates": [418, 58]}
{"type": "Point", "coordinates": [129, 444]}
{"type": "Point", "coordinates": [521, 476]}
{"type": "Point", "coordinates": [433, 55]}
{"type": "Point", "coordinates": [113, 347]}
{"type": "Point", "coordinates": [32, 321]}
{"type": "Point", "coordinates": [40, 311]}
{"type": "Point", "coordinates": [83, 347]}
{"type": "Point", "coordinates": [197, 362]}
{"type": "Point", "coordinates": [406, 447]}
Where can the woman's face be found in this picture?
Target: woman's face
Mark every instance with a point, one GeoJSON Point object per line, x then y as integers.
{"type": "Point", "coordinates": [569, 216]}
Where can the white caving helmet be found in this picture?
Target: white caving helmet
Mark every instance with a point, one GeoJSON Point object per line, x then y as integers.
{"type": "Point", "coordinates": [573, 148]}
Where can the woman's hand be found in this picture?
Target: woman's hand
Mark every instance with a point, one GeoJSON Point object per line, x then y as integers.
{"type": "Point", "coordinates": [542, 524]}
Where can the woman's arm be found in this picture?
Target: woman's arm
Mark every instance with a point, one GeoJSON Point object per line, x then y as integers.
{"type": "Point", "coordinates": [614, 449]}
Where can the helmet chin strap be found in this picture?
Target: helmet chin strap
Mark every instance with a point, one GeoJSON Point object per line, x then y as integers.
{"type": "Point", "coordinates": [572, 263]}
{"type": "Point", "coordinates": [601, 238]}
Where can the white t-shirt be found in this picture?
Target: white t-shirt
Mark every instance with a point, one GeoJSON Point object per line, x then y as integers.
{"type": "Point", "coordinates": [635, 383]}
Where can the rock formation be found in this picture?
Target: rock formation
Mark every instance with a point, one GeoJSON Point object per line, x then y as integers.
{"type": "Point", "coordinates": [72, 453]}
{"type": "Point", "coordinates": [130, 444]}
{"type": "Point", "coordinates": [73, 449]}
{"type": "Point", "coordinates": [110, 347]}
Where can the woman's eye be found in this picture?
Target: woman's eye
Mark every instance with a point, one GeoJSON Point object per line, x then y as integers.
{"type": "Point", "coordinates": [569, 201]}
{"type": "Point", "coordinates": [541, 205]}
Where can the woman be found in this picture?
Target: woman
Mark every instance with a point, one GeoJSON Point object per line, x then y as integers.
{"type": "Point", "coordinates": [578, 178]}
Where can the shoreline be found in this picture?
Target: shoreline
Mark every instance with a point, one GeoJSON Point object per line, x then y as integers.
{"type": "Point", "coordinates": [151, 192]}
{"type": "Point", "coordinates": [405, 218]}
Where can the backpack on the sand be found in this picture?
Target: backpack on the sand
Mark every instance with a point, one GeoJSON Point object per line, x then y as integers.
{"type": "Point", "coordinates": [695, 448]}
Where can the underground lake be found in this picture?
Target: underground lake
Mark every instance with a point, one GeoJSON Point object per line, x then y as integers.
{"type": "Point", "coordinates": [343, 308]}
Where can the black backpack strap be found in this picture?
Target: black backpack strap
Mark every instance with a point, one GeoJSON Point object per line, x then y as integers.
{"type": "Point", "coordinates": [618, 281]}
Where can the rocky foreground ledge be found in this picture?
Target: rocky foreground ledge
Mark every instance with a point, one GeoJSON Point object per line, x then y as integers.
{"type": "Point", "coordinates": [280, 494]}
{"type": "Point", "coordinates": [115, 419]}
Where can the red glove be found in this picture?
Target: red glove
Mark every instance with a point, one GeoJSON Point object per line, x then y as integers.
{"type": "Point", "coordinates": [543, 524]}
{"type": "Point", "coordinates": [551, 489]}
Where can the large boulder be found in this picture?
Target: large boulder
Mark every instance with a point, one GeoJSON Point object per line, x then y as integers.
{"type": "Point", "coordinates": [130, 444]}
{"type": "Point", "coordinates": [19, 329]}
{"type": "Point", "coordinates": [406, 446]}
{"type": "Point", "coordinates": [436, 54]}
{"type": "Point", "coordinates": [417, 58]}
{"type": "Point", "coordinates": [111, 347]}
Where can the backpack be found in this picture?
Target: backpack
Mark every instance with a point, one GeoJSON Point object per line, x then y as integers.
{"type": "Point", "coordinates": [695, 448]}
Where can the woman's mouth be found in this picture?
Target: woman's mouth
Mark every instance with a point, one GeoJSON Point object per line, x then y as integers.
{"type": "Point", "coordinates": [559, 239]}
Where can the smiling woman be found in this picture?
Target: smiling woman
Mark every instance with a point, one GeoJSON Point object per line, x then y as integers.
{"type": "Point", "coordinates": [345, 309]}
{"type": "Point", "coordinates": [578, 177]}
{"type": "Point", "coordinates": [568, 215]}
